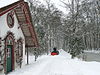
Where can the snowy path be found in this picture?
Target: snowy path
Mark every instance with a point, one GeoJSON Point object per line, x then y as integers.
{"type": "Point", "coordinates": [59, 65]}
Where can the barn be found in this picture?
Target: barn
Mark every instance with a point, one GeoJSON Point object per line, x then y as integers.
{"type": "Point", "coordinates": [16, 34]}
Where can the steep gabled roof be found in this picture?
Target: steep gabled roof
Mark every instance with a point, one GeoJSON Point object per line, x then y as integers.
{"type": "Point", "coordinates": [23, 15]}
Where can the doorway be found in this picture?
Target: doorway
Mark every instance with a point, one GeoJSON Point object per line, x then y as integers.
{"type": "Point", "coordinates": [9, 54]}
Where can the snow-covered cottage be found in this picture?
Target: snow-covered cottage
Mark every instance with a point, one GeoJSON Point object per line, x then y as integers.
{"type": "Point", "coordinates": [16, 33]}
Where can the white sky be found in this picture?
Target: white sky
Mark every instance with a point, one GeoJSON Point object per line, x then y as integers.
{"type": "Point", "coordinates": [57, 3]}
{"type": "Point", "coordinates": [6, 2]}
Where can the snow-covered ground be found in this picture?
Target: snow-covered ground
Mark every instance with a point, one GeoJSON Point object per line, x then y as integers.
{"type": "Point", "coordinates": [58, 65]}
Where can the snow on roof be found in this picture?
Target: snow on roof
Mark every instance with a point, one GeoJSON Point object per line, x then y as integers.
{"type": "Point", "coordinates": [4, 3]}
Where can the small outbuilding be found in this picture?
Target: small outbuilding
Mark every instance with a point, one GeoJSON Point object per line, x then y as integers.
{"type": "Point", "coordinates": [16, 33]}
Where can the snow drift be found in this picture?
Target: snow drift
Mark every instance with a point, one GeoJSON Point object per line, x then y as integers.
{"type": "Point", "coordinates": [61, 64]}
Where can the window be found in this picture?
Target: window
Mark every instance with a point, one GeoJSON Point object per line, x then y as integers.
{"type": "Point", "coordinates": [10, 20]}
{"type": "Point", "coordinates": [8, 52]}
{"type": "Point", "coordinates": [20, 48]}
{"type": "Point", "coordinates": [19, 51]}
{"type": "Point", "coordinates": [9, 41]}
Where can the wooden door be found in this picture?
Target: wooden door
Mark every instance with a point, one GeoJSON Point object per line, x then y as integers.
{"type": "Point", "coordinates": [9, 59]}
